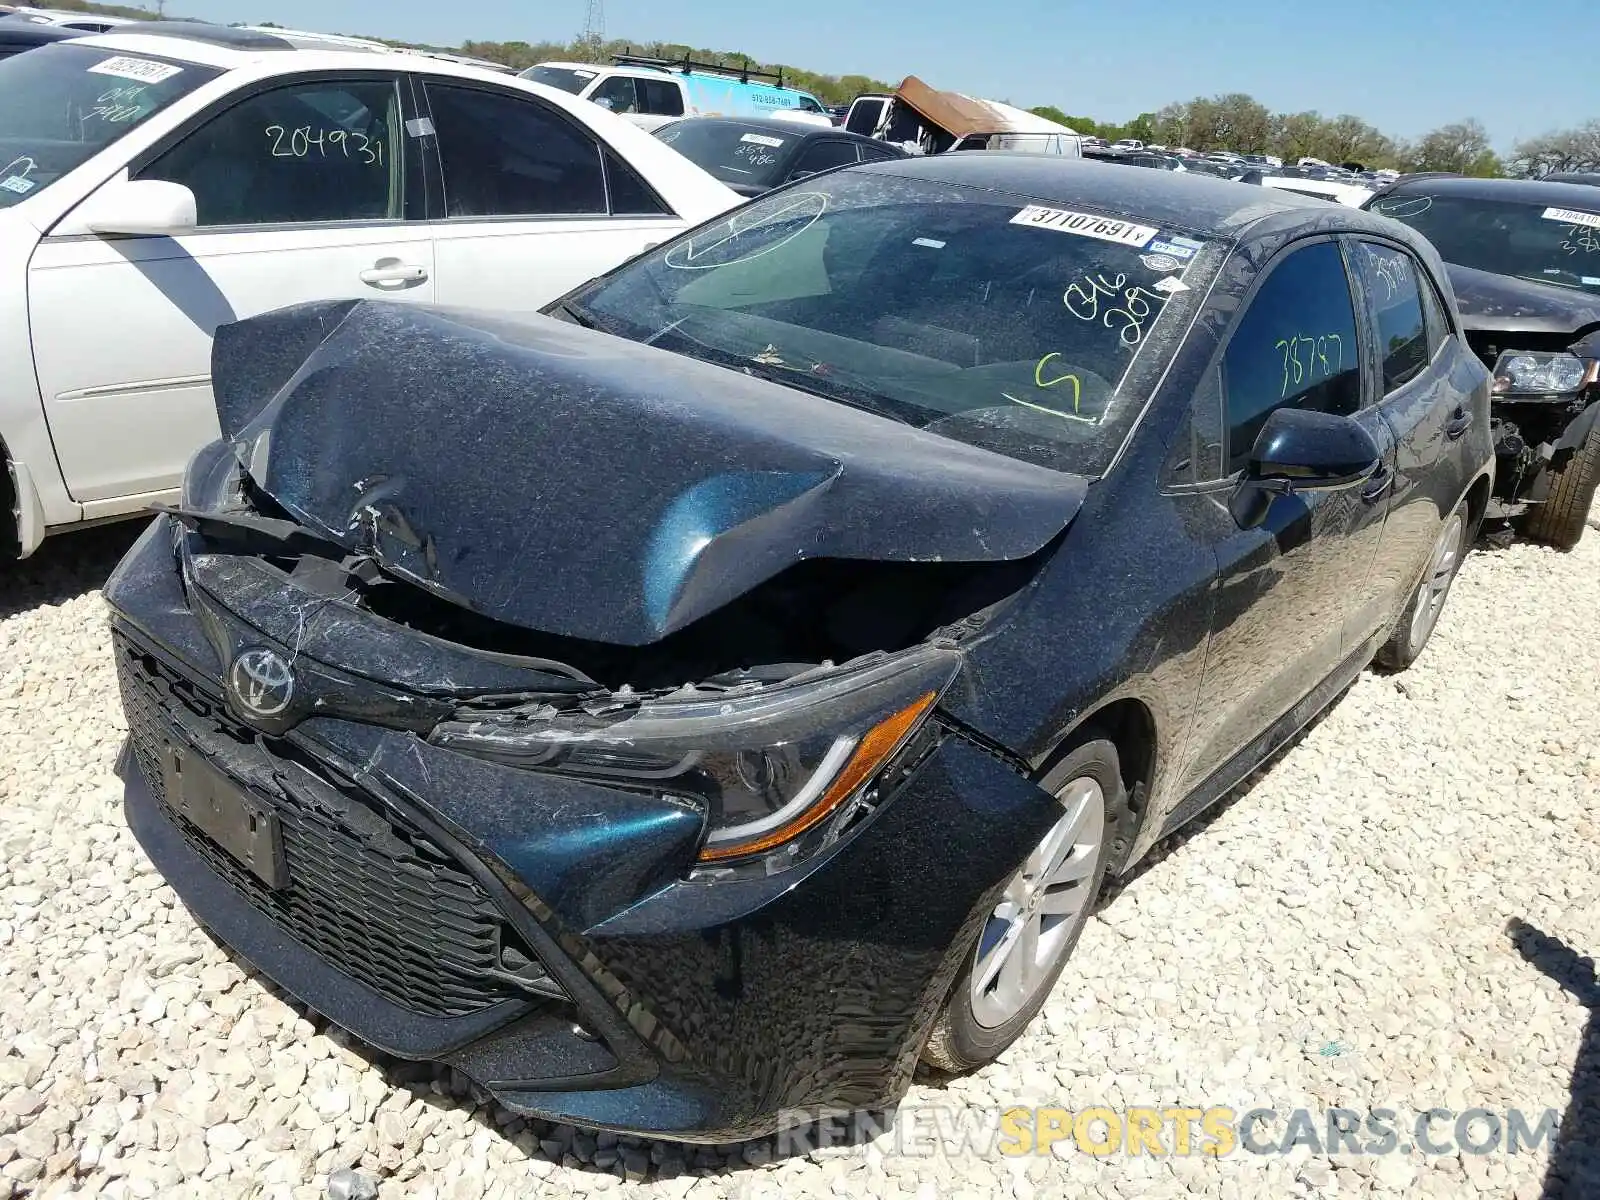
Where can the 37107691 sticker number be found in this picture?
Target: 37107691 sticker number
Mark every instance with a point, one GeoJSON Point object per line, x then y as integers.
{"type": "Point", "coordinates": [1107, 229]}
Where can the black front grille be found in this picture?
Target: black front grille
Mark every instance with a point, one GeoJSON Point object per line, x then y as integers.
{"type": "Point", "coordinates": [367, 890]}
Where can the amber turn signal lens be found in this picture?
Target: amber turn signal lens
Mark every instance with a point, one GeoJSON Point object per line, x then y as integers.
{"type": "Point", "coordinates": [881, 741]}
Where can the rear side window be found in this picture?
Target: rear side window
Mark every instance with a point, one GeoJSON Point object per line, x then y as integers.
{"type": "Point", "coordinates": [1295, 346]}
{"type": "Point", "coordinates": [507, 156]}
{"type": "Point", "coordinates": [1440, 329]}
{"type": "Point", "coordinates": [660, 97]}
{"type": "Point", "coordinates": [630, 195]}
{"type": "Point", "coordinates": [1390, 279]}
{"type": "Point", "coordinates": [823, 156]}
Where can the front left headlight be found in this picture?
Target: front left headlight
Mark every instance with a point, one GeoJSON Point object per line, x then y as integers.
{"type": "Point", "coordinates": [773, 766]}
{"type": "Point", "coordinates": [1520, 373]}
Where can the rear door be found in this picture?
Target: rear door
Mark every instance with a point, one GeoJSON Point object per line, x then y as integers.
{"type": "Point", "coordinates": [305, 190]}
{"type": "Point", "coordinates": [531, 203]}
{"type": "Point", "coordinates": [1423, 406]}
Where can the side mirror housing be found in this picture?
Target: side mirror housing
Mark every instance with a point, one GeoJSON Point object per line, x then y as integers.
{"type": "Point", "coordinates": [1301, 450]}
{"type": "Point", "coordinates": [148, 207]}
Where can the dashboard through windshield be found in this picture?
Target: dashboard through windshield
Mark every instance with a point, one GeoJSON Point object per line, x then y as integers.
{"type": "Point", "coordinates": [1558, 245]}
{"type": "Point", "coordinates": [1031, 328]}
{"type": "Point", "coordinates": [62, 103]}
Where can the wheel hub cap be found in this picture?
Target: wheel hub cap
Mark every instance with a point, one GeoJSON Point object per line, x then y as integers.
{"type": "Point", "coordinates": [1041, 908]}
{"type": "Point", "coordinates": [1436, 583]}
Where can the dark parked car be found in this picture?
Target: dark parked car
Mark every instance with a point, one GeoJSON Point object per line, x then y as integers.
{"type": "Point", "coordinates": [723, 691]}
{"type": "Point", "coordinates": [753, 157]}
{"type": "Point", "coordinates": [18, 34]}
{"type": "Point", "coordinates": [1524, 258]}
{"type": "Point", "coordinates": [1588, 178]}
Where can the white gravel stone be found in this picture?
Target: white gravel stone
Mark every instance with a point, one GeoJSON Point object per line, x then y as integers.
{"type": "Point", "coordinates": [1334, 936]}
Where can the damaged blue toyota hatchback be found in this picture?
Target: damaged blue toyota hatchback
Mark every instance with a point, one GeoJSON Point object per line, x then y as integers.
{"type": "Point", "coordinates": [693, 705]}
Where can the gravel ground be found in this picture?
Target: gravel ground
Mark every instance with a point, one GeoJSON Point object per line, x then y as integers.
{"type": "Point", "coordinates": [1334, 935]}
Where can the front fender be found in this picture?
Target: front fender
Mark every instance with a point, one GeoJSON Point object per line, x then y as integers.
{"type": "Point", "coordinates": [1577, 430]}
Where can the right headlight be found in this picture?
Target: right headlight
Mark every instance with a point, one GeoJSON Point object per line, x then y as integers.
{"type": "Point", "coordinates": [1521, 373]}
{"type": "Point", "coordinates": [774, 767]}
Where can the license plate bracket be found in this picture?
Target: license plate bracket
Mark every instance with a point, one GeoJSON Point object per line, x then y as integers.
{"type": "Point", "coordinates": [247, 830]}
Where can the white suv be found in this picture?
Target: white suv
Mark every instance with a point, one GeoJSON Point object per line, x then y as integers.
{"type": "Point", "coordinates": [155, 185]}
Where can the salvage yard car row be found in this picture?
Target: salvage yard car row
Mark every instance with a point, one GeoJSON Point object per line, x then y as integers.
{"type": "Point", "coordinates": [681, 687]}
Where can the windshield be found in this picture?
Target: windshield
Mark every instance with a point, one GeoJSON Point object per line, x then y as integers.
{"type": "Point", "coordinates": [1540, 242]}
{"type": "Point", "coordinates": [733, 153]}
{"type": "Point", "coordinates": [568, 79]}
{"type": "Point", "coordinates": [62, 103]}
{"type": "Point", "coordinates": [1026, 328]}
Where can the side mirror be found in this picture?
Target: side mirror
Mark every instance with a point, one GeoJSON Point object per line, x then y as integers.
{"type": "Point", "coordinates": [151, 207]}
{"type": "Point", "coordinates": [1299, 450]}
{"type": "Point", "coordinates": [1305, 451]}
{"type": "Point", "coordinates": [605, 102]}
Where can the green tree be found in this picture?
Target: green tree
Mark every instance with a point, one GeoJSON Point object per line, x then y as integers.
{"type": "Point", "coordinates": [1576, 149]}
{"type": "Point", "coordinates": [1462, 147]}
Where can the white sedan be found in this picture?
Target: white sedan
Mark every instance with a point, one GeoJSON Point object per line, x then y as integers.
{"type": "Point", "coordinates": [157, 184]}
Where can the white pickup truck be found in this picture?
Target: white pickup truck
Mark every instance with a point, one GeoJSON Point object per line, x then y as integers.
{"type": "Point", "coordinates": [652, 91]}
{"type": "Point", "coordinates": [158, 183]}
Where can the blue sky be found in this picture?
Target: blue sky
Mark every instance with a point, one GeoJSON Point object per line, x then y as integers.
{"type": "Point", "coordinates": [1405, 65]}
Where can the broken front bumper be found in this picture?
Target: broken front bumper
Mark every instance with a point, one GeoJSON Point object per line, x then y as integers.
{"type": "Point", "coordinates": [518, 926]}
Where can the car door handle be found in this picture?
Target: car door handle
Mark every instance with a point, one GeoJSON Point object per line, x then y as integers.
{"type": "Point", "coordinates": [391, 271]}
{"type": "Point", "coordinates": [1378, 485]}
{"type": "Point", "coordinates": [1460, 421]}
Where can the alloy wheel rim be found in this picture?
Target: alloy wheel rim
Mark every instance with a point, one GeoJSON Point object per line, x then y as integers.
{"type": "Point", "coordinates": [1436, 583]}
{"type": "Point", "coordinates": [1041, 908]}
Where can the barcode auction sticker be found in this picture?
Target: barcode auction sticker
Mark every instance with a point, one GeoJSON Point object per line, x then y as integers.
{"type": "Point", "coordinates": [142, 69]}
{"type": "Point", "coordinates": [1571, 216]}
{"type": "Point", "coordinates": [1107, 229]}
{"type": "Point", "coordinates": [761, 139]}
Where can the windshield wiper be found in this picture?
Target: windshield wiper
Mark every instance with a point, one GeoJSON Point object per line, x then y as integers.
{"type": "Point", "coordinates": [859, 395]}
{"type": "Point", "coordinates": [258, 534]}
{"type": "Point", "coordinates": [579, 316]}
{"type": "Point", "coordinates": [804, 379]}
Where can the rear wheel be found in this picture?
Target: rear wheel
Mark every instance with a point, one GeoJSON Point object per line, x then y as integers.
{"type": "Point", "coordinates": [1421, 616]}
{"type": "Point", "coordinates": [1028, 937]}
{"type": "Point", "coordinates": [1560, 519]}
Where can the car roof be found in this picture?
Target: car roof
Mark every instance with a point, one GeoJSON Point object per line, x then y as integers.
{"type": "Point", "coordinates": [791, 129]}
{"type": "Point", "coordinates": [1199, 202]}
{"type": "Point", "coordinates": [19, 31]}
{"type": "Point", "coordinates": [228, 48]}
{"type": "Point", "coordinates": [1526, 191]}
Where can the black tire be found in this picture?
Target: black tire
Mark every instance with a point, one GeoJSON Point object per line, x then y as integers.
{"type": "Point", "coordinates": [1407, 642]}
{"type": "Point", "coordinates": [1559, 521]}
{"type": "Point", "coordinates": [958, 1042]}
{"type": "Point", "coordinates": [10, 519]}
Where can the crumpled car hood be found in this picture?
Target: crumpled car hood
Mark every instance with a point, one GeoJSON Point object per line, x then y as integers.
{"type": "Point", "coordinates": [577, 483]}
{"type": "Point", "coordinates": [1502, 302]}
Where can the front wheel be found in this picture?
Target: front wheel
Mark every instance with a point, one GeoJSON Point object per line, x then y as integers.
{"type": "Point", "coordinates": [1421, 616]}
{"type": "Point", "coordinates": [1028, 937]}
{"type": "Point", "coordinates": [1560, 519]}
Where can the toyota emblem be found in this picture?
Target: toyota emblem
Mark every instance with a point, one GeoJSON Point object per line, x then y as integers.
{"type": "Point", "coordinates": [262, 683]}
